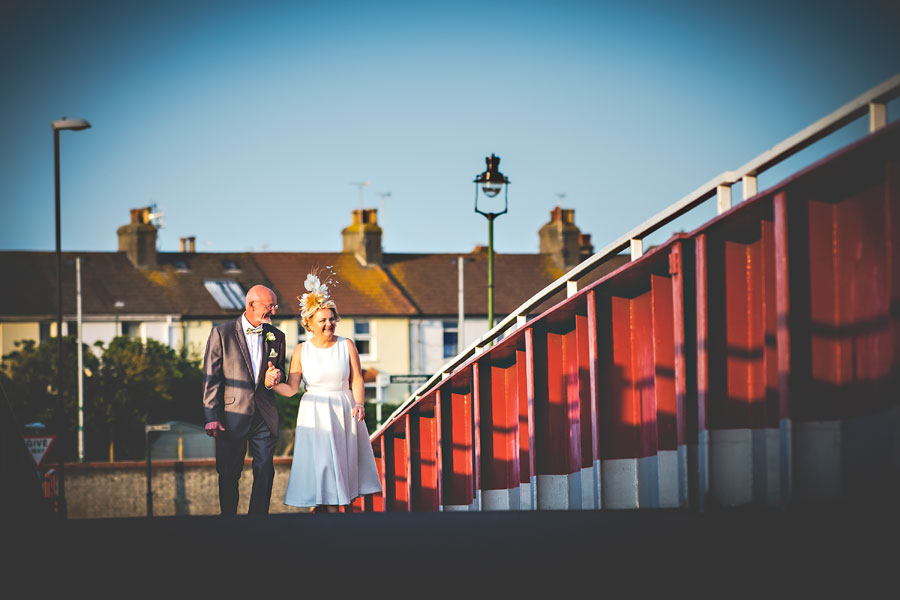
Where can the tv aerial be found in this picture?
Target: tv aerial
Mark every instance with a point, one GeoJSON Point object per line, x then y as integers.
{"type": "Point", "coordinates": [156, 217]}
{"type": "Point", "coordinates": [361, 185]}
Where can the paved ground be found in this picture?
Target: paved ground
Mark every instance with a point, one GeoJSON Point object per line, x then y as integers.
{"type": "Point", "coordinates": [724, 554]}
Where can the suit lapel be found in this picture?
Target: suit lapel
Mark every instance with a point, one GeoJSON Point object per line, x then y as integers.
{"type": "Point", "coordinates": [242, 344]}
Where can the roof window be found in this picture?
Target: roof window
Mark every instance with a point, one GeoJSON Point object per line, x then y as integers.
{"type": "Point", "coordinates": [226, 292]}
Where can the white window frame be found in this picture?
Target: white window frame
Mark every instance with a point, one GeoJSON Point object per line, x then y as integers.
{"type": "Point", "coordinates": [367, 337]}
{"type": "Point", "coordinates": [453, 328]}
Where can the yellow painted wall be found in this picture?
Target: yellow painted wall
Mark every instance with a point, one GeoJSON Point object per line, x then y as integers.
{"type": "Point", "coordinates": [389, 344]}
{"type": "Point", "coordinates": [10, 333]}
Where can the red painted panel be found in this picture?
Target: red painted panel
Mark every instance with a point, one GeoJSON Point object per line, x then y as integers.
{"type": "Point", "coordinates": [456, 448]}
{"type": "Point", "coordinates": [397, 466]}
{"type": "Point", "coordinates": [510, 440]}
{"type": "Point", "coordinates": [525, 421]}
{"type": "Point", "coordinates": [850, 303]}
{"type": "Point", "coordinates": [621, 416]}
{"type": "Point", "coordinates": [703, 383]}
{"type": "Point", "coordinates": [558, 443]}
{"type": "Point", "coordinates": [424, 458]}
{"type": "Point", "coordinates": [788, 382]}
{"type": "Point", "coordinates": [664, 359]}
{"type": "Point", "coordinates": [744, 404]}
{"type": "Point", "coordinates": [572, 399]}
{"type": "Point", "coordinates": [892, 224]}
{"type": "Point", "coordinates": [400, 498]}
{"type": "Point", "coordinates": [770, 324]}
{"type": "Point", "coordinates": [551, 429]}
{"type": "Point", "coordinates": [476, 428]}
{"type": "Point", "coordinates": [499, 421]}
{"type": "Point", "coordinates": [585, 400]}
{"type": "Point", "coordinates": [608, 378]}
{"type": "Point", "coordinates": [686, 420]}
{"type": "Point", "coordinates": [439, 444]}
{"type": "Point", "coordinates": [593, 381]}
{"type": "Point", "coordinates": [379, 501]}
{"type": "Point", "coordinates": [644, 379]}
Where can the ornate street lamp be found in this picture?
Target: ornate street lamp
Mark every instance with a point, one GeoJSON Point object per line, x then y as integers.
{"type": "Point", "coordinates": [492, 184]}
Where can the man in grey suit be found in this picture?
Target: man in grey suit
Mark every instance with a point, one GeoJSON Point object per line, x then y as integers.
{"type": "Point", "coordinates": [239, 408]}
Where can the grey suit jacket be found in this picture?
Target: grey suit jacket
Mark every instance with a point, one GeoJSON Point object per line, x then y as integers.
{"type": "Point", "coordinates": [230, 394]}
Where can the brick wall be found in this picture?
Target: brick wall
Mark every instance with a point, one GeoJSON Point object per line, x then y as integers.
{"type": "Point", "coordinates": [190, 487]}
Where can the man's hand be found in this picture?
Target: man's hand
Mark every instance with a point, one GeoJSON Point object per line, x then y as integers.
{"type": "Point", "coordinates": [273, 376]}
{"type": "Point", "coordinates": [213, 428]}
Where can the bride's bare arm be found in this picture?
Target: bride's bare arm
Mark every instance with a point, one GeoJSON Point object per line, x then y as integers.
{"type": "Point", "coordinates": [356, 383]}
{"type": "Point", "coordinates": [290, 387]}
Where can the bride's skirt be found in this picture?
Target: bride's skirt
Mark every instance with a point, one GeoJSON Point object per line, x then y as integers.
{"type": "Point", "coordinates": [333, 459]}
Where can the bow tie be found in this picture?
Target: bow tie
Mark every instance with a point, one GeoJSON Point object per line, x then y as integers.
{"type": "Point", "coordinates": [256, 330]}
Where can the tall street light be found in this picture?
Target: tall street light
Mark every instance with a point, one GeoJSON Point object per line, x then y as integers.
{"type": "Point", "coordinates": [491, 183]}
{"type": "Point", "coordinates": [73, 125]}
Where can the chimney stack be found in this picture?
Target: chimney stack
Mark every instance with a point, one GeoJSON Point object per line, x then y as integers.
{"type": "Point", "coordinates": [363, 236]}
{"type": "Point", "coordinates": [187, 244]}
{"type": "Point", "coordinates": [138, 238]}
{"type": "Point", "coordinates": [586, 248]}
{"type": "Point", "coordinates": [562, 239]}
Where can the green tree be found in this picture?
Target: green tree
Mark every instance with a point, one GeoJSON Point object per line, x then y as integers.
{"type": "Point", "coordinates": [129, 384]}
{"type": "Point", "coordinates": [31, 387]}
{"type": "Point", "coordinates": [146, 383]}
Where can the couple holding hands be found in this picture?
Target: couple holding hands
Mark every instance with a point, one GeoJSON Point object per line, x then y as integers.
{"type": "Point", "coordinates": [242, 370]}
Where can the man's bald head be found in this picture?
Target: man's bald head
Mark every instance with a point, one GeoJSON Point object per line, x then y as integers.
{"type": "Point", "coordinates": [260, 305]}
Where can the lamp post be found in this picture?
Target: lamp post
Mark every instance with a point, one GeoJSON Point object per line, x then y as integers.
{"type": "Point", "coordinates": [491, 183]}
{"type": "Point", "coordinates": [57, 126]}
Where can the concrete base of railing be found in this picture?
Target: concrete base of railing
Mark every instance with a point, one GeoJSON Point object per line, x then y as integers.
{"type": "Point", "coordinates": [672, 477]}
{"type": "Point", "coordinates": [501, 499]}
{"type": "Point", "coordinates": [559, 492]}
{"type": "Point", "coordinates": [767, 465]}
{"type": "Point", "coordinates": [591, 487]}
{"type": "Point", "coordinates": [630, 482]}
{"type": "Point", "coordinates": [817, 462]}
{"type": "Point", "coordinates": [528, 494]}
{"type": "Point", "coordinates": [730, 467]}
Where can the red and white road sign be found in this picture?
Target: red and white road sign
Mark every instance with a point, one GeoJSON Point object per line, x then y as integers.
{"type": "Point", "coordinates": [39, 445]}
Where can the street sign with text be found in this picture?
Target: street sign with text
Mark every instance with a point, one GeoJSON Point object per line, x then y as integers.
{"type": "Point", "coordinates": [410, 378]}
{"type": "Point", "coordinates": [39, 445]}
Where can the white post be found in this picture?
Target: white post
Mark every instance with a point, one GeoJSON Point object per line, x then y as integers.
{"type": "Point", "coordinates": [80, 363]}
{"type": "Point", "coordinates": [877, 116]}
{"type": "Point", "coordinates": [637, 248]}
{"type": "Point", "coordinates": [723, 202]}
{"type": "Point", "coordinates": [750, 186]}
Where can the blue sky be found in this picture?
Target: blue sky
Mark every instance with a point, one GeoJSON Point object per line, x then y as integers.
{"type": "Point", "coordinates": [247, 123]}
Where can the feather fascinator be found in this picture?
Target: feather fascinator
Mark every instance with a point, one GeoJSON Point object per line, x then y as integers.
{"type": "Point", "coordinates": [317, 295]}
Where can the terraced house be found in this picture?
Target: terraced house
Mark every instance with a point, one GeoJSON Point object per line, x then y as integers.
{"type": "Point", "coordinates": [402, 310]}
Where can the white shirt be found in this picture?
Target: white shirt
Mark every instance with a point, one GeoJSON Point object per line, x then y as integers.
{"type": "Point", "coordinates": [254, 345]}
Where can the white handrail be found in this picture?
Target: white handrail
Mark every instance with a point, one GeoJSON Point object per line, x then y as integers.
{"type": "Point", "coordinates": [873, 102]}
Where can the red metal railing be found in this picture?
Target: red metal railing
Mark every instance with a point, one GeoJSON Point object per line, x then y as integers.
{"type": "Point", "coordinates": [755, 360]}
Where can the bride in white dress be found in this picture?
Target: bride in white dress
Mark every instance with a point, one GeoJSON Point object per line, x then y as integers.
{"type": "Point", "coordinates": [333, 459]}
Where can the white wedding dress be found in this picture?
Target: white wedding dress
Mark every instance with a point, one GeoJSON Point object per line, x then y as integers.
{"type": "Point", "coordinates": [333, 458]}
